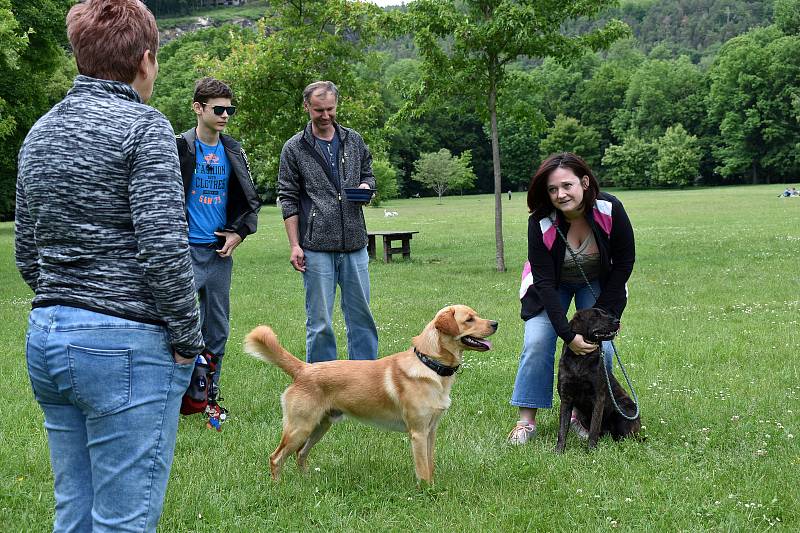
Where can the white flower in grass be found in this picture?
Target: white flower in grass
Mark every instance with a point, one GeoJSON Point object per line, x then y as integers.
{"type": "Point", "coordinates": [761, 453]}
{"type": "Point", "coordinates": [789, 436]}
{"type": "Point", "coordinates": [628, 500]}
{"type": "Point", "coordinates": [317, 469]}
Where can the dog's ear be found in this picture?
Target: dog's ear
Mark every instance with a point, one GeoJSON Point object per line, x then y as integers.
{"type": "Point", "coordinates": [446, 322]}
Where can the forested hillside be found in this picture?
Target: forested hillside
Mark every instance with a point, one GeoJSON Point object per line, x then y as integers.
{"type": "Point", "coordinates": [700, 92]}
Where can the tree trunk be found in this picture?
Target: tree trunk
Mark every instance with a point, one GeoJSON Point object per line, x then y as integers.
{"type": "Point", "coordinates": [498, 192]}
{"type": "Point", "coordinates": [755, 173]}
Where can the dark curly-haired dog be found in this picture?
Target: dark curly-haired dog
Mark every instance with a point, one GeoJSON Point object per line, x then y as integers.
{"type": "Point", "coordinates": [582, 384]}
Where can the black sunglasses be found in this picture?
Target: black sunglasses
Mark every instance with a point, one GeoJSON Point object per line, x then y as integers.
{"type": "Point", "coordinates": [220, 109]}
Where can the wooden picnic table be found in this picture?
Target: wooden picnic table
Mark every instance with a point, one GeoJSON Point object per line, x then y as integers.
{"type": "Point", "coordinates": [388, 250]}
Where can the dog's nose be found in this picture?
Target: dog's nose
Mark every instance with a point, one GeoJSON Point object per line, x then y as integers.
{"type": "Point", "coordinates": [494, 324]}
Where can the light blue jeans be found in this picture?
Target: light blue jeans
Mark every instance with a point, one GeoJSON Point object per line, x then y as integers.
{"type": "Point", "coordinates": [324, 271]}
{"type": "Point", "coordinates": [110, 391]}
{"type": "Point", "coordinates": [533, 387]}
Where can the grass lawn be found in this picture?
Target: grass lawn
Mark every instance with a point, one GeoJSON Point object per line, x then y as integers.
{"type": "Point", "coordinates": [710, 339]}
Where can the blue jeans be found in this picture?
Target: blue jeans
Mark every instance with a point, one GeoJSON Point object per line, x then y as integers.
{"type": "Point", "coordinates": [533, 387]}
{"type": "Point", "coordinates": [212, 281]}
{"type": "Point", "coordinates": [110, 391]}
{"type": "Point", "coordinates": [324, 271]}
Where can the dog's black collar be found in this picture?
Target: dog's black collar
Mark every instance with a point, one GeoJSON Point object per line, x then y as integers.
{"type": "Point", "coordinates": [442, 370]}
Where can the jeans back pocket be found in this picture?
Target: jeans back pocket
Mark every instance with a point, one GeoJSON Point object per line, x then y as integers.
{"type": "Point", "coordinates": [101, 379]}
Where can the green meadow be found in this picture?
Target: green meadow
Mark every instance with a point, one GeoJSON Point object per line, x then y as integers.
{"type": "Point", "coordinates": [710, 339]}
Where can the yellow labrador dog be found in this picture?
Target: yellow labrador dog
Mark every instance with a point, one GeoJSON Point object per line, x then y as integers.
{"type": "Point", "coordinates": [408, 391]}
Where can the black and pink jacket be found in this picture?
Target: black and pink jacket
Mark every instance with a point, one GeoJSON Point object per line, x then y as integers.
{"type": "Point", "coordinates": [542, 272]}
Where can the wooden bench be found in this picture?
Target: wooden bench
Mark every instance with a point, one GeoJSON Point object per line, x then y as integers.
{"type": "Point", "coordinates": [388, 237]}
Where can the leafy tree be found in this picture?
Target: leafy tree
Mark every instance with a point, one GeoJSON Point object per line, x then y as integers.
{"type": "Point", "coordinates": [662, 93]}
{"type": "Point", "coordinates": [441, 172]}
{"type": "Point", "coordinates": [12, 41]}
{"type": "Point", "coordinates": [308, 40]}
{"type": "Point", "coordinates": [186, 59]}
{"type": "Point", "coordinates": [630, 164]}
{"type": "Point", "coordinates": [787, 16]}
{"type": "Point", "coordinates": [678, 161]}
{"type": "Point", "coordinates": [568, 135]}
{"type": "Point", "coordinates": [598, 99]}
{"type": "Point", "coordinates": [444, 126]}
{"type": "Point", "coordinates": [754, 101]}
{"type": "Point", "coordinates": [385, 181]}
{"type": "Point", "coordinates": [34, 77]}
{"type": "Point", "coordinates": [520, 123]}
{"type": "Point", "coordinates": [467, 45]}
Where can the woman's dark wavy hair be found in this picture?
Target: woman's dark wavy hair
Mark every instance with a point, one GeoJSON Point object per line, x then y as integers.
{"type": "Point", "coordinates": [539, 203]}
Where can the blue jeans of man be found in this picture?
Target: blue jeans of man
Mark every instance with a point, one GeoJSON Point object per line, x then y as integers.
{"type": "Point", "coordinates": [212, 281]}
{"type": "Point", "coordinates": [350, 271]}
{"type": "Point", "coordinates": [110, 391]}
{"type": "Point", "coordinates": [533, 387]}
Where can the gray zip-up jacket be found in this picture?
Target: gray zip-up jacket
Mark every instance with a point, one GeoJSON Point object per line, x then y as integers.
{"type": "Point", "coordinates": [100, 221]}
{"type": "Point", "coordinates": [328, 222]}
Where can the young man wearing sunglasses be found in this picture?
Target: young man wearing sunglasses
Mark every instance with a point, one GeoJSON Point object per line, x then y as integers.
{"type": "Point", "coordinates": [221, 209]}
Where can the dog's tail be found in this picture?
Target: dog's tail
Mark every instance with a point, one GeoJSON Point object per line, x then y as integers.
{"type": "Point", "coordinates": [262, 343]}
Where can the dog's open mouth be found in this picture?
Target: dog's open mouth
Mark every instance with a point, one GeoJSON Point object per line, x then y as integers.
{"type": "Point", "coordinates": [475, 343]}
{"type": "Point", "coordinates": [598, 336]}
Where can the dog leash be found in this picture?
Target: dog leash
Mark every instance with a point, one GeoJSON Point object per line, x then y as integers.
{"type": "Point", "coordinates": [613, 346]}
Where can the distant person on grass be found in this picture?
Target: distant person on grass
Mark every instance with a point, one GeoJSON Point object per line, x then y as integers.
{"type": "Point", "coordinates": [564, 195]}
{"type": "Point", "coordinates": [101, 238]}
{"type": "Point", "coordinates": [327, 234]}
{"type": "Point", "coordinates": [221, 208]}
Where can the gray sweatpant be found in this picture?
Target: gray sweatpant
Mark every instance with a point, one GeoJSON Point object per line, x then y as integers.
{"type": "Point", "coordinates": [212, 281]}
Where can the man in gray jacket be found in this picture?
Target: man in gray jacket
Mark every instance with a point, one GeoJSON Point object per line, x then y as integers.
{"type": "Point", "coordinates": [327, 233]}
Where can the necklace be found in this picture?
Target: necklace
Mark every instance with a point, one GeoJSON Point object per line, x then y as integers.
{"type": "Point", "coordinates": [215, 154]}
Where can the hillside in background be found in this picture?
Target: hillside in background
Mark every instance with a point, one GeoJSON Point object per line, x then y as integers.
{"type": "Point", "coordinates": [695, 28]}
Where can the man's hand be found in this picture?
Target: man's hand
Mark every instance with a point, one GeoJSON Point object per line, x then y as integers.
{"type": "Point", "coordinates": [298, 258]}
{"type": "Point", "coordinates": [580, 347]}
{"type": "Point", "coordinates": [182, 360]}
{"type": "Point", "coordinates": [363, 186]}
{"type": "Point", "coordinates": [232, 240]}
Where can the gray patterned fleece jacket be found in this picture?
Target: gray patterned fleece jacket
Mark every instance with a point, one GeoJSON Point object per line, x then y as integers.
{"type": "Point", "coordinates": [328, 222]}
{"type": "Point", "coordinates": [100, 221]}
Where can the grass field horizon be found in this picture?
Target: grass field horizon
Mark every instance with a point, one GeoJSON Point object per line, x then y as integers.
{"type": "Point", "coordinates": [709, 338]}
